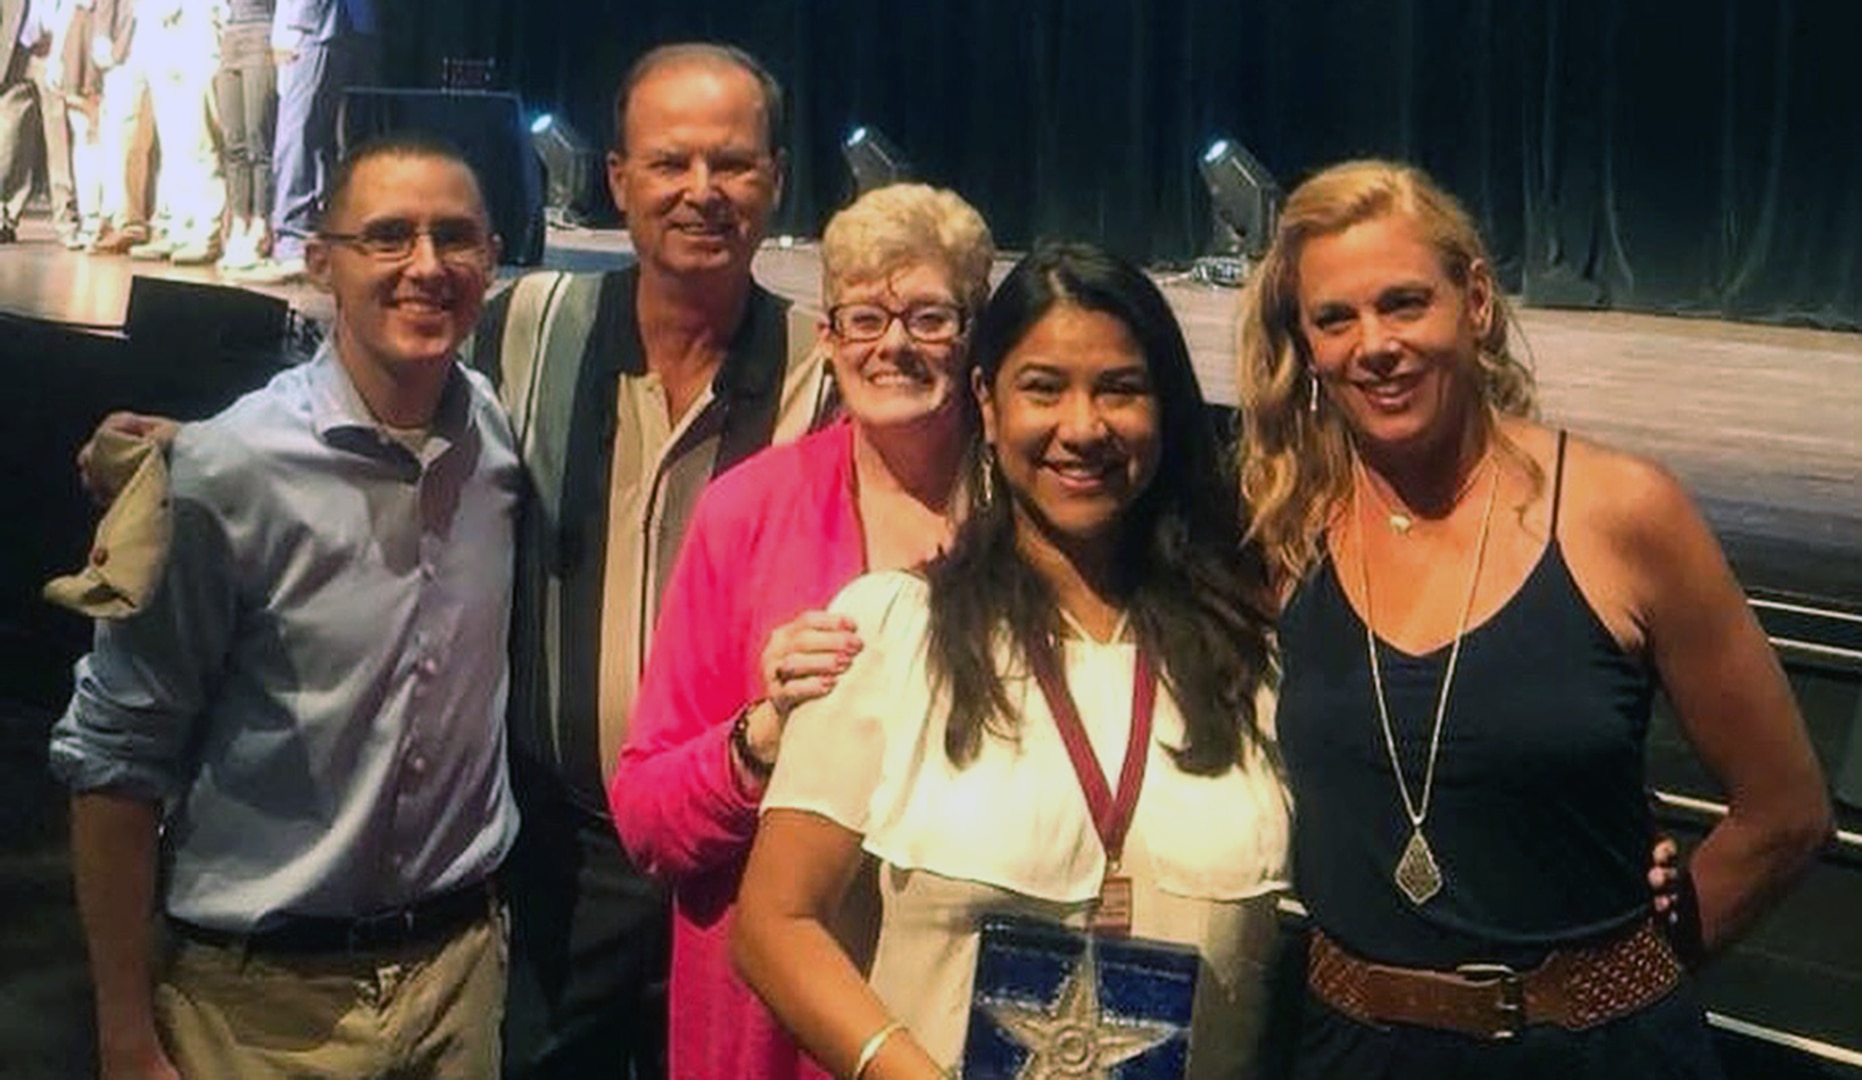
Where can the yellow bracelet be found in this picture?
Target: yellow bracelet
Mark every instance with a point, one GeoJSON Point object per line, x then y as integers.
{"type": "Point", "coordinates": [870, 1049]}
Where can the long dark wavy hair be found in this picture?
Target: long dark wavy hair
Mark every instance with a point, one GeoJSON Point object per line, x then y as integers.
{"type": "Point", "coordinates": [1195, 595]}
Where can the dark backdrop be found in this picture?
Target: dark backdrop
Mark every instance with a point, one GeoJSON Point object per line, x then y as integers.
{"type": "Point", "coordinates": [1698, 156]}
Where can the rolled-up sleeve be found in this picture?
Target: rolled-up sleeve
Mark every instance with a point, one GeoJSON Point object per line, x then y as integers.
{"type": "Point", "coordinates": [142, 691]}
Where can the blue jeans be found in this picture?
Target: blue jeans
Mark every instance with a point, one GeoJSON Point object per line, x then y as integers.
{"type": "Point", "coordinates": [310, 96]}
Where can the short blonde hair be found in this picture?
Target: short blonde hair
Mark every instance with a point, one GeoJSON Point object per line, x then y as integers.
{"type": "Point", "coordinates": [892, 228]}
{"type": "Point", "coordinates": [1295, 463]}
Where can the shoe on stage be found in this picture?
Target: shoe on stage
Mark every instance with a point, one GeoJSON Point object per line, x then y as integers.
{"type": "Point", "coordinates": [269, 272]}
{"type": "Point", "coordinates": [195, 254]}
{"type": "Point", "coordinates": [115, 241]}
{"type": "Point", "coordinates": [157, 249]}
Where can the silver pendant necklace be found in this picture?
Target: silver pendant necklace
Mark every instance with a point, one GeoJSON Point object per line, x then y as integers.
{"type": "Point", "coordinates": [1417, 873]}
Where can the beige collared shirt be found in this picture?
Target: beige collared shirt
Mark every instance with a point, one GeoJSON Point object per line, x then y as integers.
{"type": "Point", "coordinates": [647, 441]}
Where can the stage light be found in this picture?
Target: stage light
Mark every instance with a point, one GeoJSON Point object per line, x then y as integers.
{"type": "Point", "coordinates": [570, 165]}
{"type": "Point", "coordinates": [1245, 202]}
{"type": "Point", "coordinates": [873, 160]}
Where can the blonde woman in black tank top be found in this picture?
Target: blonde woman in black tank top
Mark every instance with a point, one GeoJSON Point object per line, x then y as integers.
{"type": "Point", "coordinates": [1475, 611]}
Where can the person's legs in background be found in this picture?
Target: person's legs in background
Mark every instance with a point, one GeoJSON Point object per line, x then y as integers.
{"type": "Point", "coordinates": [73, 75]}
{"type": "Point", "coordinates": [126, 142]}
{"type": "Point", "coordinates": [229, 92]}
{"type": "Point", "coordinates": [310, 94]}
{"type": "Point", "coordinates": [181, 59]}
{"type": "Point", "coordinates": [261, 98]}
{"type": "Point", "coordinates": [56, 127]}
{"type": "Point", "coordinates": [15, 148]}
{"type": "Point", "coordinates": [157, 96]}
{"type": "Point", "coordinates": [246, 90]}
{"type": "Point", "coordinates": [196, 196]}
{"type": "Point", "coordinates": [300, 161]}
{"type": "Point", "coordinates": [87, 167]}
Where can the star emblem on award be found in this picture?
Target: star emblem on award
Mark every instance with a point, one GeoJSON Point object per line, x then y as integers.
{"type": "Point", "coordinates": [1073, 1039]}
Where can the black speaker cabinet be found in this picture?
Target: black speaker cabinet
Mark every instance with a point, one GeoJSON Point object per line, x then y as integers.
{"type": "Point", "coordinates": [212, 320]}
{"type": "Point", "coordinates": [194, 347]}
{"type": "Point", "coordinates": [489, 128]}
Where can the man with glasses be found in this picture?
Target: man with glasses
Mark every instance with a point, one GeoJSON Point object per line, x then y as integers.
{"type": "Point", "coordinates": [304, 728]}
{"type": "Point", "coordinates": [629, 391]}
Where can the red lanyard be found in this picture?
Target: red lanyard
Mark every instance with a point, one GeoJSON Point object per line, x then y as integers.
{"type": "Point", "coordinates": [1111, 815]}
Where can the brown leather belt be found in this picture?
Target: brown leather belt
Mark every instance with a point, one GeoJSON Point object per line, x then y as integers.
{"type": "Point", "coordinates": [1573, 989]}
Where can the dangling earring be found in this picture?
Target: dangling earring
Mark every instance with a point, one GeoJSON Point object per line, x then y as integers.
{"type": "Point", "coordinates": [1312, 396]}
{"type": "Point", "coordinates": [986, 487]}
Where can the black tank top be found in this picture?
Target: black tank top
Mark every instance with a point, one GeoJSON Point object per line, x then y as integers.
{"type": "Point", "coordinates": [1540, 821]}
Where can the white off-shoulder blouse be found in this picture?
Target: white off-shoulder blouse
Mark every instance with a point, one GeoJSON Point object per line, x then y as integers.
{"type": "Point", "coordinates": [1009, 832]}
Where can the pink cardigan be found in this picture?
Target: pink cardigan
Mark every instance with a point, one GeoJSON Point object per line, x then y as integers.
{"type": "Point", "coordinates": [776, 536]}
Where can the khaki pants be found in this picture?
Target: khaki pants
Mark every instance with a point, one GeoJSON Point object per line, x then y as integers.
{"type": "Point", "coordinates": [422, 1011]}
{"type": "Point", "coordinates": [189, 190]}
{"type": "Point", "coordinates": [126, 147]}
{"type": "Point", "coordinates": [87, 164]}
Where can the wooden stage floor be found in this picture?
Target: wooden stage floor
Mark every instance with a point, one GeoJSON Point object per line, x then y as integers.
{"type": "Point", "coordinates": [1763, 423]}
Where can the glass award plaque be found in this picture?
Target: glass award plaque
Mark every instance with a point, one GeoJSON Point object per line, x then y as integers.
{"type": "Point", "coordinates": [1050, 1003]}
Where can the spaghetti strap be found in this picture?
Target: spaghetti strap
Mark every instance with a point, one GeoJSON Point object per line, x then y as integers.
{"type": "Point", "coordinates": [1558, 480]}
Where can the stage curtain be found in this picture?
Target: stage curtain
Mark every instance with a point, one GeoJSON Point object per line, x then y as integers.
{"type": "Point", "coordinates": [1688, 156]}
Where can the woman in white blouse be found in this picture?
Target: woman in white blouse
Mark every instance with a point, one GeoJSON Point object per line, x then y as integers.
{"type": "Point", "coordinates": [1101, 546]}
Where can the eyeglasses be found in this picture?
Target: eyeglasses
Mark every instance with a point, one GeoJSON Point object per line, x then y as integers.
{"type": "Point", "coordinates": [393, 240]}
{"type": "Point", "coordinates": [931, 324]}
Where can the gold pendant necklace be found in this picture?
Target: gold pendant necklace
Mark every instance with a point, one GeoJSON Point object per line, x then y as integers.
{"type": "Point", "coordinates": [1400, 521]}
{"type": "Point", "coordinates": [1417, 873]}
{"type": "Point", "coordinates": [1400, 518]}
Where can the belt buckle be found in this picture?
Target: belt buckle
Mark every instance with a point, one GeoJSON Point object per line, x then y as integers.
{"type": "Point", "coordinates": [1511, 986]}
{"type": "Point", "coordinates": [364, 934]}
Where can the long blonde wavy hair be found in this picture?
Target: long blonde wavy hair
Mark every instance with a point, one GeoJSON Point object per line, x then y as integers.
{"type": "Point", "coordinates": [1296, 463]}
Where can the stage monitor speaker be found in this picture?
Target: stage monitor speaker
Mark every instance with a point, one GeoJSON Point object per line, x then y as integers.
{"type": "Point", "coordinates": [210, 320]}
{"type": "Point", "coordinates": [489, 129]}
